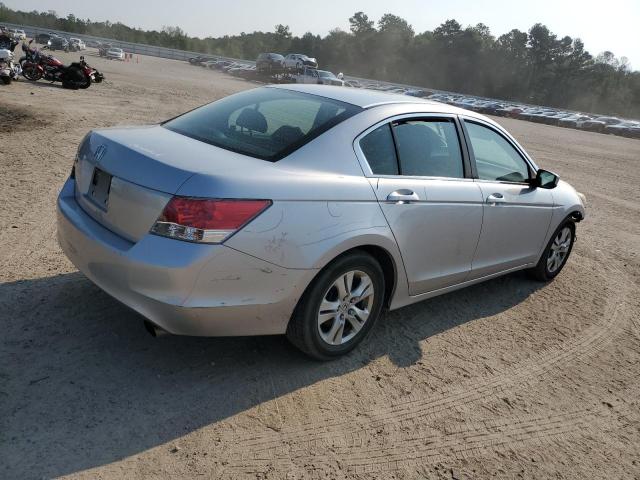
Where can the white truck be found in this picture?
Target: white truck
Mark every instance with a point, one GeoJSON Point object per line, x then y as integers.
{"type": "Point", "coordinates": [314, 76]}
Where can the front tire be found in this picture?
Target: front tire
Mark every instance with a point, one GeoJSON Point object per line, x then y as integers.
{"type": "Point", "coordinates": [339, 308]}
{"type": "Point", "coordinates": [556, 253]}
{"type": "Point", "coordinates": [6, 79]}
{"type": "Point", "coordinates": [32, 74]}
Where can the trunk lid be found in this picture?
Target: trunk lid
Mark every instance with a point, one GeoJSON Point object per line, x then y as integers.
{"type": "Point", "coordinates": [125, 176]}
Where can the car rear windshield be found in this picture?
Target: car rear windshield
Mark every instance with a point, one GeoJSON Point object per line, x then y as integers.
{"type": "Point", "coordinates": [266, 123]}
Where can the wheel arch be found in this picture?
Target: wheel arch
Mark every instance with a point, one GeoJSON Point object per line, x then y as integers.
{"type": "Point", "coordinates": [389, 261]}
{"type": "Point", "coordinates": [574, 215]}
{"type": "Point", "coordinates": [389, 268]}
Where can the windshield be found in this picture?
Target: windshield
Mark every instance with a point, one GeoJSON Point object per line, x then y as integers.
{"type": "Point", "coordinates": [266, 123]}
{"type": "Point", "coordinates": [325, 74]}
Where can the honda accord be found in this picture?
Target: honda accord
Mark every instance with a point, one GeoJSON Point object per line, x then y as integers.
{"type": "Point", "coordinates": [307, 210]}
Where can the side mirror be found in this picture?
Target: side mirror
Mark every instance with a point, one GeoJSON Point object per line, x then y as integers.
{"type": "Point", "coordinates": [545, 179]}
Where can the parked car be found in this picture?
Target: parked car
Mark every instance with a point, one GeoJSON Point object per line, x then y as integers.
{"type": "Point", "coordinates": [509, 111]}
{"type": "Point", "coordinates": [329, 78]}
{"type": "Point", "coordinates": [92, 43]}
{"type": "Point", "coordinates": [19, 34]}
{"type": "Point", "coordinates": [540, 116]}
{"type": "Point", "coordinates": [115, 53]}
{"type": "Point", "coordinates": [42, 38]}
{"type": "Point", "coordinates": [554, 118]}
{"type": "Point", "coordinates": [490, 108]}
{"type": "Point", "coordinates": [271, 63]}
{"type": "Point", "coordinates": [248, 72]}
{"type": "Point", "coordinates": [623, 128]}
{"type": "Point", "coordinates": [572, 121]}
{"type": "Point", "coordinates": [58, 43]}
{"type": "Point", "coordinates": [200, 59]}
{"type": "Point", "coordinates": [76, 44]}
{"type": "Point", "coordinates": [226, 68]}
{"type": "Point", "coordinates": [210, 64]}
{"type": "Point", "coordinates": [103, 49]}
{"type": "Point", "coordinates": [417, 93]}
{"type": "Point", "coordinates": [310, 75]}
{"type": "Point", "coordinates": [300, 210]}
{"type": "Point", "coordinates": [530, 114]}
{"type": "Point", "coordinates": [220, 64]}
{"type": "Point", "coordinates": [598, 124]}
{"type": "Point", "coordinates": [295, 61]}
{"type": "Point", "coordinates": [352, 83]}
{"type": "Point", "coordinates": [633, 132]}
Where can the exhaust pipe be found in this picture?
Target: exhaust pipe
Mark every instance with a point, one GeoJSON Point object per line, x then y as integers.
{"type": "Point", "coordinates": [154, 330]}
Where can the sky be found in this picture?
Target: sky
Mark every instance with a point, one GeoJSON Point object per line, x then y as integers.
{"type": "Point", "coordinates": [601, 25]}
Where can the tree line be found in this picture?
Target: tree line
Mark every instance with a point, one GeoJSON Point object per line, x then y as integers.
{"type": "Point", "coordinates": [536, 66]}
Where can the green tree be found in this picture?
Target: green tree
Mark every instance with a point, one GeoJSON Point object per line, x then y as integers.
{"type": "Point", "coordinates": [360, 24]}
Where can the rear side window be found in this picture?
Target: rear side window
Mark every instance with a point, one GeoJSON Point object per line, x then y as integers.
{"type": "Point", "coordinates": [429, 148]}
{"type": "Point", "coordinates": [379, 151]}
{"type": "Point", "coordinates": [496, 158]}
{"type": "Point", "coordinates": [266, 123]}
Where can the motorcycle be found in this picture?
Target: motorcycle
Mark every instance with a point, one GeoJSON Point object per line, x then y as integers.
{"type": "Point", "coordinates": [9, 71]}
{"type": "Point", "coordinates": [36, 65]}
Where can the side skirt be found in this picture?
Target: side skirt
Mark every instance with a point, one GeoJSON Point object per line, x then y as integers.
{"type": "Point", "coordinates": [403, 302]}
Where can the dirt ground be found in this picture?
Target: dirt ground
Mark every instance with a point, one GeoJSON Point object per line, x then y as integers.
{"type": "Point", "coordinates": [508, 379]}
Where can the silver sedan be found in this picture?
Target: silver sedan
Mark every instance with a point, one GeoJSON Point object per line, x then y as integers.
{"type": "Point", "coordinates": [307, 210]}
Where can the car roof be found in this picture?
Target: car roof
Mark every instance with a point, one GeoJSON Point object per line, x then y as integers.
{"type": "Point", "coordinates": [365, 98]}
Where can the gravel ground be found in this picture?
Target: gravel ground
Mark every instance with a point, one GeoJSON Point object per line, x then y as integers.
{"type": "Point", "coordinates": [508, 379]}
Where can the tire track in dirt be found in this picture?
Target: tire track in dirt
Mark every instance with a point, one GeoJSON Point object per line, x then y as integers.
{"type": "Point", "coordinates": [424, 444]}
{"type": "Point", "coordinates": [477, 439]}
{"type": "Point", "coordinates": [416, 408]}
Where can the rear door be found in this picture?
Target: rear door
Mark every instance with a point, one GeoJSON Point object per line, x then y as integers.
{"type": "Point", "coordinates": [420, 174]}
{"type": "Point", "coordinates": [516, 216]}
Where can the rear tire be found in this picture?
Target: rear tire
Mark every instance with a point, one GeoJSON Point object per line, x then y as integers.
{"type": "Point", "coordinates": [339, 308]}
{"type": "Point", "coordinates": [87, 82]}
{"type": "Point", "coordinates": [6, 79]}
{"type": "Point", "coordinates": [556, 253]}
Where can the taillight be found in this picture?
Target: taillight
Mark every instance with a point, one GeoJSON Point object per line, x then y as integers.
{"type": "Point", "coordinates": [206, 220]}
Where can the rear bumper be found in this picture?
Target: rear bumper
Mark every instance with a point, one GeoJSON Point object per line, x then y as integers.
{"type": "Point", "coordinates": [184, 288]}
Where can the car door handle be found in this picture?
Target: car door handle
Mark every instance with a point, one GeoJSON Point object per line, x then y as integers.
{"type": "Point", "coordinates": [495, 198]}
{"type": "Point", "coordinates": [403, 196]}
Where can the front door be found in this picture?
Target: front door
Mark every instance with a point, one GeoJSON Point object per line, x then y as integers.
{"type": "Point", "coordinates": [516, 216]}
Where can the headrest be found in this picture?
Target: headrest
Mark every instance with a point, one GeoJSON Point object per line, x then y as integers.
{"type": "Point", "coordinates": [253, 120]}
{"type": "Point", "coordinates": [287, 135]}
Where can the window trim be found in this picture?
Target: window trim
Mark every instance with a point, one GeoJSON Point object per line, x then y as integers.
{"type": "Point", "coordinates": [466, 160]}
{"type": "Point", "coordinates": [531, 166]}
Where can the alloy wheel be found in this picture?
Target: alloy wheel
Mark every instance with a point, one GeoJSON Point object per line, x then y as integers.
{"type": "Point", "coordinates": [559, 249]}
{"type": "Point", "coordinates": [345, 307]}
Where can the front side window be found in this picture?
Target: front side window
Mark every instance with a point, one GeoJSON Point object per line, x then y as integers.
{"type": "Point", "coordinates": [428, 148]}
{"type": "Point", "coordinates": [496, 158]}
{"type": "Point", "coordinates": [267, 123]}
